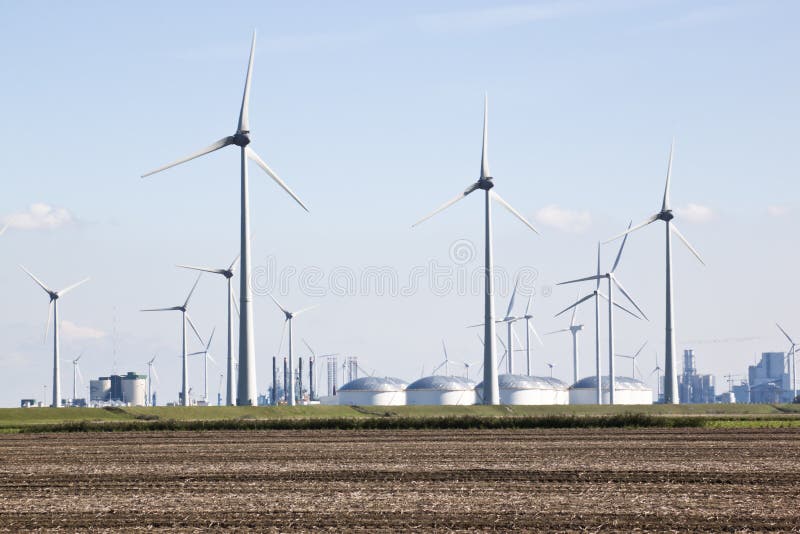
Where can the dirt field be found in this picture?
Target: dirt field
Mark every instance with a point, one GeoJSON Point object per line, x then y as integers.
{"type": "Point", "coordinates": [713, 480]}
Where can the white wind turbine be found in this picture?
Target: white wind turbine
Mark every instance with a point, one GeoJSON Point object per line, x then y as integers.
{"type": "Point", "coordinates": [151, 369]}
{"type": "Point", "coordinates": [491, 392]}
{"type": "Point", "coordinates": [632, 358]}
{"type": "Point", "coordinates": [596, 295]}
{"type": "Point", "coordinates": [289, 317]}
{"type": "Point", "coordinates": [528, 317]}
{"type": "Point", "coordinates": [228, 274]}
{"type": "Point", "coordinates": [53, 310]}
{"type": "Point", "coordinates": [792, 363]}
{"type": "Point", "coordinates": [246, 393]}
{"type": "Point", "coordinates": [205, 353]}
{"type": "Point", "coordinates": [666, 215]}
{"type": "Point", "coordinates": [573, 329]}
{"type": "Point", "coordinates": [184, 319]}
{"type": "Point", "coordinates": [612, 281]}
{"type": "Point", "coordinates": [509, 320]}
{"type": "Point", "coordinates": [657, 369]}
{"type": "Point", "coordinates": [76, 373]}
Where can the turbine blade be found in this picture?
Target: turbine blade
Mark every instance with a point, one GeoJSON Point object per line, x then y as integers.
{"type": "Point", "coordinates": [622, 246]}
{"type": "Point", "coordinates": [650, 220]}
{"type": "Point", "coordinates": [557, 331]}
{"type": "Point", "coordinates": [536, 334]}
{"type": "Point", "coordinates": [211, 358]}
{"type": "Point", "coordinates": [575, 310]}
{"type": "Point", "coordinates": [528, 306]}
{"type": "Point", "coordinates": [204, 269]}
{"type": "Point", "coordinates": [38, 282]}
{"type": "Point", "coordinates": [309, 348]}
{"type": "Point", "coordinates": [513, 296]}
{"type": "Point", "coordinates": [514, 212]}
{"type": "Point", "coordinates": [444, 348]}
{"type": "Point", "coordinates": [278, 304]}
{"type": "Point", "coordinates": [174, 308]}
{"type": "Point", "coordinates": [476, 325]}
{"type": "Point", "coordinates": [640, 350]}
{"type": "Point", "coordinates": [620, 306]}
{"type": "Point", "coordinates": [665, 203]}
{"type": "Point", "coordinates": [581, 301]}
{"type": "Point", "coordinates": [686, 242]}
{"type": "Point", "coordinates": [64, 291]}
{"type": "Point", "coordinates": [485, 173]}
{"type": "Point", "coordinates": [784, 333]}
{"type": "Point", "coordinates": [447, 204]}
{"type": "Point", "coordinates": [500, 339]}
{"type": "Point", "coordinates": [194, 329]}
{"type": "Point", "coordinates": [588, 278]}
{"type": "Point", "coordinates": [155, 374]}
{"type": "Point", "coordinates": [189, 296]}
{"type": "Point", "coordinates": [225, 141]}
{"type": "Point", "coordinates": [627, 296]}
{"type": "Point", "coordinates": [307, 308]}
{"type": "Point", "coordinates": [236, 306]}
{"type": "Point", "coordinates": [280, 344]}
{"type": "Point", "coordinates": [260, 162]}
{"type": "Point", "coordinates": [232, 268]}
{"type": "Point", "coordinates": [244, 123]}
{"type": "Point", "coordinates": [210, 338]}
{"type": "Point", "coordinates": [47, 324]}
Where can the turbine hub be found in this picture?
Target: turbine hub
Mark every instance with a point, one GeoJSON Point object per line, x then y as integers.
{"type": "Point", "coordinates": [241, 138]}
{"type": "Point", "coordinates": [485, 183]}
{"type": "Point", "coordinates": [666, 215]}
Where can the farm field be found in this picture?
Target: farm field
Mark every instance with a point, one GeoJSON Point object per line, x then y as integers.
{"type": "Point", "coordinates": [599, 479]}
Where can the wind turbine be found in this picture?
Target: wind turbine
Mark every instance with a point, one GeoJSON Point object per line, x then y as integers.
{"type": "Point", "coordinates": [666, 215]}
{"type": "Point", "coordinates": [246, 393]}
{"type": "Point", "coordinates": [53, 310]}
{"type": "Point", "coordinates": [317, 368]}
{"type": "Point", "coordinates": [550, 365]}
{"type": "Point", "coordinates": [633, 360]}
{"type": "Point", "coordinates": [184, 319]}
{"type": "Point", "coordinates": [528, 329]}
{"type": "Point", "coordinates": [289, 317]}
{"type": "Point", "coordinates": [150, 372]}
{"type": "Point", "coordinates": [228, 274]}
{"type": "Point", "coordinates": [486, 183]}
{"type": "Point", "coordinates": [509, 320]}
{"type": "Point", "coordinates": [573, 329]}
{"type": "Point", "coordinates": [657, 370]}
{"type": "Point", "coordinates": [792, 364]}
{"type": "Point", "coordinates": [596, 295]}
{"type": "Point", "coordinates": [76, 372]}
{"type": "Point", "coordinates": [612, 281]}
{"type": "Point", "coordinates": [206, 357]}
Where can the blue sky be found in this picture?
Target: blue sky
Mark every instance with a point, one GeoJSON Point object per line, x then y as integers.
{"type": "Point", "coordinates": [372, 113]}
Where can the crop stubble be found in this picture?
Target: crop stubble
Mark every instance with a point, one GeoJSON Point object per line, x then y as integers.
{"type": "Point", "coordinates": [676, 479]}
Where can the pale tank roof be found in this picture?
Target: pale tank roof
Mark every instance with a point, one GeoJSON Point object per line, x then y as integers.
{"type": "Point", "coordinates": [374, 383]}
{"type": "Point", "coordinates": [529, 382]}
{"type": "Point", "coordinates": [620, 383]}
{"type": "Point", "coordinates": [442, 383]}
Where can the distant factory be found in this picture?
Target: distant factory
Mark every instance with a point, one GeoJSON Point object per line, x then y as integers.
{"type": "Point", "coordinates": [128, 389]}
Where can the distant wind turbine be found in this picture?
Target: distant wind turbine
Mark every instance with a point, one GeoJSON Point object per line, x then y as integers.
{"type": "Point", "coordinates": [76, 373]}
{"type": "Point", "coordinates": [612, 281]}
{"type": "Point", "coordinates": [206, 354]}
{"type": "Point", "coordinates": [632, 358]}
{"type": "Point", "coordinates": [528, 329]}
{"type": "Point", "coordinates": [289, 318]}
{"type": "Point", "coordinates": [491, 391]}
{"type": "Point", "coordinates": [246, 393]}
{"type": "Point", "coordinates": [228, 273]}
{"type": "Point", "coordinates": [792, 363]}
{"type": "Point", "coordinates": [150, 373]}
{"type": "Point", "coordinates": [184, 319]}
{"type": "Point", "coordinates": [573, 329]}
{"type": "Point", "coordinates": [666, 215]}
{"type": "Point", "coordinates": [53, 310]}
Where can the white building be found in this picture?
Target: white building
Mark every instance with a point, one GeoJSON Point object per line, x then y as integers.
{"type": "Point", "coordinates": [627, 390]}
{"type": "Point", "coordinates": [440, 391]}
{"type": "Point", "coordinates": [134, 391]}
{"type": "Point", "coordinates": [524, 390]}
{"type": "Point", "coordinates": [373, 391]}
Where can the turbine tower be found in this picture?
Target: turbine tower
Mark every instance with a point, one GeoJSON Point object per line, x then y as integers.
{"type": "Point", "coordinates": [184, 319]}
{"type": "Point", "coordinates": [528, 329]}
{"type": "Point", "coordinates": [246, 393]}
{"type": "Point", "coordinates": [150, 370]}
{"type": "Point", "coordinates": [228, 274]}
{"type": "Point", "coordinates": [491, 388]}
{"type": "Point", "coordinates": [612, 281]}
{"type": "Point", "coordinates": [289, 317]}
{"type": "Point", "coordinates": [666, 215]}
{"type": "Point", "coordinates": [206, 356]}
{"type": "Point", "coordinates": [573, 329]}
{"type": "Point", "coordinates": [53, 310]}
{"type": "Point", "coordinates": [76, 372]}
{"type": "Point", "coordinates": [792, 364]}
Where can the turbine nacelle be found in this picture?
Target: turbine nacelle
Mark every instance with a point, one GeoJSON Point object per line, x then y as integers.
{"type": "Point", "coordinates": [666, 215]}
{"type": "Point", "coordinates": [241, 138]}
{"type": "Point", "coordinates": [485, 183]}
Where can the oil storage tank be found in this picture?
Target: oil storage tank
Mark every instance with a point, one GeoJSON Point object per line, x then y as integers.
{"type": "Point", "coordinates": [100, 389]}
{"type": "Point", "coordinates": [133, 389]}
{"type": "Point", "coordinates": [373, 391]}
{"type": "Point", "coordinates": [524, 390]}
{"type": "Point", "coordinates": [627, 390]}
{"type": "Point", "coordinates": [441, 391]}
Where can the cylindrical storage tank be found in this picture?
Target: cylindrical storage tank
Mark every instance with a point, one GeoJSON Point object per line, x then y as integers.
{"type": "Point", "coordinates": [99, 389]}
{"type": "Point", "coordinates": [441, 391]}
{"type": "Point", "coordinates": [523, 390]}
{"type": "Point", "coordinates": [133, 389]}
{"type": "Point", "coordinates": [626, 391]}
{"type": "Point", "coordinates": [373, 391]}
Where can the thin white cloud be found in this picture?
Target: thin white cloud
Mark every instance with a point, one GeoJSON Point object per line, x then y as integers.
{"type": "Point", "coordinates": [39, 216]}
{"type": "Point", "coordinates": [777, 211]}
{"type": "Point", "coordinates": [493, 18]}
{"type": "Point", "coordinates": [696, 213]}
{"type": "Point", "coordinates": [564, 219]}
{"type": "Point", "coordinates": [72, 331]}
{"type": "Point", "coordinates": [706, 15]}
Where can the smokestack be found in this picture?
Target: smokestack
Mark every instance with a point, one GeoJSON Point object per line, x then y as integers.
{"type": "Point", "coordinates": [300, 377]}
{"type": "Point", "coordinates": [312, 394]}
{"type": "Point", "coordinates": [274, 399]}
{"type": "Point", "coordinates": [285, 381]}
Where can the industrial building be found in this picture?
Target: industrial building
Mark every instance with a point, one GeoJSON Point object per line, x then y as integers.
{"type": "Point", "coordinates": [373, 391]}
{"type": "Point", "coordinates": [694, 388]}
{"type": "Point", "coordinates": [441, 390]}
{"type": "Point", "coordinates": [627, 390]}
{"type": "Point", "coordinates": [769, 380]}
{"type": "Point", "coordinates": [526, 390]}
{"type": "Point", "coordinates": [129, 389]}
